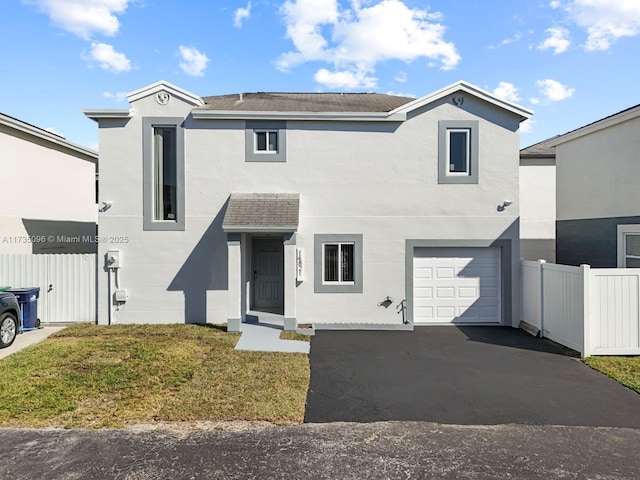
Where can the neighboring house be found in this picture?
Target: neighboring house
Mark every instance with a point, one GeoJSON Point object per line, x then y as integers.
{"type": "Point", "coordinates": [48, 194]}
{"type": "Point", "coordinates": [538, 202]}
{"type": "Point", "coordinates": [326, 208]}
{"type": "Point", "coordinates": [598, 197]}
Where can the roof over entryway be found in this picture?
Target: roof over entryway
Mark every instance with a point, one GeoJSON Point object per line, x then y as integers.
{"type": "Point", "coordinates": [262, 212]}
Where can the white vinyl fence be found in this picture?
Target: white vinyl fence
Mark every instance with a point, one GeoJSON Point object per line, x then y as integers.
{"type": "Point", "coordinates": [594, 311]}
{"type": "Point", "coordinates": [67, 283]}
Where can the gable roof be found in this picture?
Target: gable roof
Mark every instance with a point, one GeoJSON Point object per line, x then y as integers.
{"type": "Point", "coordinates": [540, 150]}
{"type": "Point", "coordinates": [462, 86]}
{"type": "Point", "coordinates": [337, 106]}
{"type": "Point", "coordinates": [306, 102]}
{"type": "Point", "coordinates": [309, 106]}
{"type": "Point", "coordinates": [52, 138]}
{"type": "Point", "coordinates": [606, 122]}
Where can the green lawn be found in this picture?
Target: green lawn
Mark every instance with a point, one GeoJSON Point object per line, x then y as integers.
{"type": "Point", "coordinates": [624, 370]}
{"type": "Point", "coordinates": [89, 376]}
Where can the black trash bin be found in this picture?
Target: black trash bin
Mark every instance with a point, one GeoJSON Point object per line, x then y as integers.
{"type": "Point", "coordinates": [28, 300]}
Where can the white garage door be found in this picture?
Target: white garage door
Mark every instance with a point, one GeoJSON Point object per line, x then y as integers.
{"type": "Point", "coordinates": [456, 285]}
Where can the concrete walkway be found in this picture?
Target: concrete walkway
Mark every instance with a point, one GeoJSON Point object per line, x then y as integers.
{"type": "Point", "coordinates": [261, 333]}
{"type": "Point", "coordinates": [23, 340]}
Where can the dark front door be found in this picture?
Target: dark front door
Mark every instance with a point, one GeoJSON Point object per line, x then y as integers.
{"type": "Point", "coordinates": [268, 274]}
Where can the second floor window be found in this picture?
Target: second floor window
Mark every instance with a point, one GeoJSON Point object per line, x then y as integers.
{"type": "Point", "coordinates": [165, 173]}
{"type": "Point", "coordinates": [266, 141]}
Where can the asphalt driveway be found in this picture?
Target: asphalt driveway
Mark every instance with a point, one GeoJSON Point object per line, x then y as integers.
{"type": "Point", "coordinates": [459, 375]}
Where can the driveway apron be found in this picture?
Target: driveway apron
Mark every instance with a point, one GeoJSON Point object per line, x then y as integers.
{"type": "Point", "coordinates": [460, 375]}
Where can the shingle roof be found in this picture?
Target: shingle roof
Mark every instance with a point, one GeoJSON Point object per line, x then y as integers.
{"type": "Point", "coordinates": [306, 102]}
{"type": "Point", "coordinates": [262, 211]}
{"type": "Point", "coordinates": [539, 150]}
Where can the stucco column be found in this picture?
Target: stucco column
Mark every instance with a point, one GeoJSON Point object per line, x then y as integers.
{"type": "Point", "coordinates": [234, 294]}
{"type": "Point", "coordinates": [290, 322]}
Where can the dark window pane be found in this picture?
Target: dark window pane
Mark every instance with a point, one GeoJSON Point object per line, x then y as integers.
{"type": "Point", "coordinates": [347, 263]}
{"type": "Point", "coordinates": [261, 141]}
{"type": "Point", "coordinates": [331, 263]}
{"type": "Point", "coordinates": [633, 245]}
{"type": "Point", "coordinates": [633, 263]}
{"type": "Point", "coordinates": [458, 152]}
{"type": "Point", "coordinates": [273, 141]}
{"type": "Point", "coordinates": [166, 173]}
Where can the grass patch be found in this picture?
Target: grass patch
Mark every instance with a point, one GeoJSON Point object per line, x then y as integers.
{"type": "Point", "coordinates": [624, 370]}
{"type": "Point", "coordinates": [291, 335]}
{"type": "Point", "coordinates": [89, 376]}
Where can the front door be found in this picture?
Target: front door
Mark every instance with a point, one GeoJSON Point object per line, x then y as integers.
{"type": "Point", "coordinates": [268, 274]}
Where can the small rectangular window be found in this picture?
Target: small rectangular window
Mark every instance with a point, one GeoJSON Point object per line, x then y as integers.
{"type": "Point", "coordinates": [338, 263]}
{"type": "Point", "coordinates": [266, 141]}
{"type": "Point", "coordinates": [458, 151]}
{"type": "Point", "coordinates": [458, 158]}
{"type": "Point", "coordinates": [165, 162]}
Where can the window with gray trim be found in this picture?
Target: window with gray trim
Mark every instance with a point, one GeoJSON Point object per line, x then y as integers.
{"type": "Point", "coordinates": [458, 151]}
{"type": "Point", "coordinates": [265, 141]}
{"type": "Point", "coordinates": [338, 263]}
{"type": "Point", "coordinates": [163, 170]}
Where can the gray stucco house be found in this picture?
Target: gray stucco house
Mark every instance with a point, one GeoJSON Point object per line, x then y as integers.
{"type": "Point", "coordinates": [598, 199]}
{"type": "Point", "coordinates": [354, 210]}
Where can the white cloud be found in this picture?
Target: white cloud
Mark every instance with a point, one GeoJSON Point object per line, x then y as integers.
{"type": "Point", "coordinates": [107, 58]}
{"type": "Point", "coordinates": [534, 101]}
{"type": "Point", "coordinates": [527, 126]}
{"type": "Point", "coordinates": [400, 77]}
{"type": "Point", "coordinates": [117, 96]}
{"type": "Point", "coordinates": [345, 79]}
{"type": "Point", "coordinates": [558, 40]}
{"type": "Point", "coordinates": [241, 14]}
{"type": "Point", "coordinates": [554, 91]}
{"type": "Point", "coordinates": [193, 62]}
{"type": "Point", "coordinates": [355, 39]}
{"type": "Point", "coordinates": [84, 17]}
{"type": "Point", "coordinates": [605, 20]}
{"type": "Point", "coordinates": [506, 91]}
{"type": "Point", "coordinates": [554, 4]}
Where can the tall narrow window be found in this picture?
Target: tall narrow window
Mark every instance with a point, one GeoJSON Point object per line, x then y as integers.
{"type": "Point", "coordinates": [338, 263]}
{"type": "Point", "coordinates": [458, 151]}
{"type": "Point", "coordinates": [165, 173]}
{"type": "Point", "coordinates": [458, 159]}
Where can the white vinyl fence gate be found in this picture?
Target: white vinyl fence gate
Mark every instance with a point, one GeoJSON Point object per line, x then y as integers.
{"type": "Point", "coordinates": [67, 283]}
{"type": "Point", "coordinates": [595, 311]}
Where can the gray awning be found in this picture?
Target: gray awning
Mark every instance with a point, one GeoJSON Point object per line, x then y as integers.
{"type": "Point", "coordinates": [262, 212]}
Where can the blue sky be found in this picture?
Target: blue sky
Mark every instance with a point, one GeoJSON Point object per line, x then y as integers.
{"type": "Point", "coordinates": [571, 61]}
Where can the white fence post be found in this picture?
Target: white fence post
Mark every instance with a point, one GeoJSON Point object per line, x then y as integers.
{"type": "Point", "coordinates": [541, 277]}
{"type": "Point", "coordinates": [586, 310]}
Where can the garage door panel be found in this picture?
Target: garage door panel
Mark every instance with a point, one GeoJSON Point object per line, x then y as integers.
{"type": "Point", "coordinates": [445, 272]}
{"type": "Point", "coordinates": [424, 312]}
{"type": "Point", "coordinates": [445, 292]}
{"type": "Point", "coordinates": [423, 272]}
{"type": "Point", "coordinates": [425, 293]}
{"type": "Point", "coordinates": [445, 312]}
{"type": "Point", "coordinates": [467, 292]}
{"type": "Point", "coordinates": [488, 292]}
{"type": "Point", "coordinates": [456, 285]}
